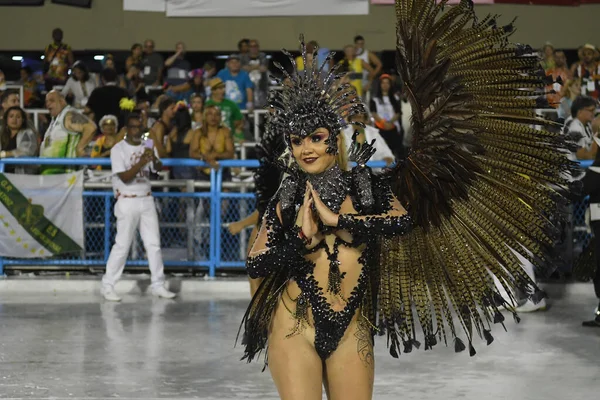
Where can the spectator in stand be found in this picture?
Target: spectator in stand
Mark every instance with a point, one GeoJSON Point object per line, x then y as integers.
{"type": "Point", "coordinates": [322, 54]}
{"type": "Point", "coordinates": [386, 111]}
{"type": "Point", "coordinates": [2, 81]}
{"type": "Point", "coordinates": [135, 58]}
{"type": "Point", "coordinates": [58, 58]}
{"type": "Point", "coordinates": [133, 82]}
{"type": "Point", "coordinates": [68, 134]}
{"type": "Point", "coordinates": [109, 136]}
{"type": "Point", "coordinates": [178, 70]}
{"type": "Point", "coordinates": [369, 58]}
{"type": "Point", "coordinates": [161, 129]}
{"type": "Point", "coordinates": [143, 108]}
{"type": "Point", "coordinates": [152, 65]}
{"type": "Point", "coordinates": [367, 135]}
{"type": "Point", "coordinates": [588, 71]}
{"type": "Point", "coordinates": [210, 71]}
{"type": "Point", "coordinates": [80, 85]}
{"type": "Point", "coordinates": [17, 139]}
{"type": "Point", "coordinates": [109, 62]}
{"type": "Point", "coordinates": [195, 84]}
{"type": "Point", "coordinates": [31, 94]}
{"type": "Point", "coordinates": [179, 141]}
{"type": "Point", "coordinates": [109, 126]}
{"type": "Point", "coordinates": [256, 64]}
{"type": "Point", "coordinates": [243, 46]}
{"type": "Point", "coordinates": [197, 110]}
{"type": "Point", "coordinates": [212, 142]}
{"type": "Point", "coordinates": [580, 123]}
{"type": "Point", "coordinates": [10, 98]}
{"type": "Point", "coordinates": [548, 61]}
{"type": "Point", "coordinates": [570, 91]}
{"type": "Point", "coordinates": [560, 74]}
{"type": "Point", "coordinates": [231, 117]}
{"type": "Point", "coordinates": [105, 99]}
{"type": "Point", "coordinates": [355, 67]}
{"type": "Point", "coordinates": [238, 86]}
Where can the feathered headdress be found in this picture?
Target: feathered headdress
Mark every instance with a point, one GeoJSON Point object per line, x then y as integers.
{"type": "Point", "coordinates": [310, 100]}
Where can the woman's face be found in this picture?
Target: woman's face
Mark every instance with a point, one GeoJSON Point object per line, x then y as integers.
{"type": "Point", "coordinates": [15, 119]}
{"type": "Point", "coordinates": [213, 116]}
{"type": "Point", "coordinates": [197, 104]}
{"type": "Point", "coordinates": [311, 152]}
{"type": "Point", "coordinates": [137, 51]}
{"type": "Point", "coordinates": [548, 51]}
{"type": "Point", "coordinates": [108, 129]}
{"type": "Point", "coordinates": [78, 73]}
{"type": "Point", "coordinates": [110, 63]}
{"type": "Point", "coordinates": [385, 85]}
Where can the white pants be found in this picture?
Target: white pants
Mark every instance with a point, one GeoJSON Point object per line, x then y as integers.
{"type": "Point", "coordinates": [131, 213]}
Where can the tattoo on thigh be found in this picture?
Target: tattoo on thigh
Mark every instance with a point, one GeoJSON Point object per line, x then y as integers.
{"type": "Point", "coordinates": [364, 342]}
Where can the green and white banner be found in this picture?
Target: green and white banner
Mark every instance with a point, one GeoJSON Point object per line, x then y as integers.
{"type": "Point", "coordinates": [41, 215]}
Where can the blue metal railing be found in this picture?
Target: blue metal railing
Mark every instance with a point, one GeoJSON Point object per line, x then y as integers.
{"type": "Point", "coordinates": [216, 196]}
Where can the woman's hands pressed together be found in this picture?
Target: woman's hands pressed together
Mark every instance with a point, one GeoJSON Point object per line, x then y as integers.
{"type": "Point", "coordinates": [327, 216]}
{"type": "Point", "coordinates": [309, 220]}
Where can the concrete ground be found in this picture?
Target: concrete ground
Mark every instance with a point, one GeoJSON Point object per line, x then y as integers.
{"type": "Point", "coordinates": [59, 340]}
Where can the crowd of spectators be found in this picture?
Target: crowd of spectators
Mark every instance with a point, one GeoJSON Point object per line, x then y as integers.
{"type": "Point", "coordinates": [164, 88]}
{"type": "Point", "coordinates": [189, 111]}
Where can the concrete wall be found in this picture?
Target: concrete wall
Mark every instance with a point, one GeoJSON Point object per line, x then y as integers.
{"type": "Point", "coordinates": [107, 26]}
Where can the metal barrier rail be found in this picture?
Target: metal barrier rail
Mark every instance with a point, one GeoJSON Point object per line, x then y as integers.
{"type": "Point", "coordinates": [255, 115]}
{"type": "Point", "coordinates": [202, 244]}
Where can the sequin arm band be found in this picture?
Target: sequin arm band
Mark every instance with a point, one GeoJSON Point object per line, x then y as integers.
{"type": "Point", "coordinates": [375, 225]}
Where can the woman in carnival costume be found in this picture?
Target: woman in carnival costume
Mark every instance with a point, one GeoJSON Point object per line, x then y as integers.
{"type": "Point", "coordinates": [343, 254]}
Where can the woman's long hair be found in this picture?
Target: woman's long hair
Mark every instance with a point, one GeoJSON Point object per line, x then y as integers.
{"type": "Point", "coordinates": [379, 94]}
{"type": "Point", "coordinates": [204, 127]}
{"type": "Point", "coordinates": [83, 68]}
{"type": "Point", "coordinates": [182, 121]}
{"type": "Point", "coordinates": [5, 136]}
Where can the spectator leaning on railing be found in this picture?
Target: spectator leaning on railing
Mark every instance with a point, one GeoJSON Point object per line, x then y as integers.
{"type": "Point", "coordinates": [68, 134]}
{"type": "Point", "coordinates": [17, 139]}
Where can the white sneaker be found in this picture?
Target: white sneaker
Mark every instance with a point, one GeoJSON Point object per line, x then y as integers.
{"type": "Point", "coordinates": [162, 292]}
{"type": "Point", "coordinates": [110, 294]}
{"type": "Point", "coordinates": [528, 306]}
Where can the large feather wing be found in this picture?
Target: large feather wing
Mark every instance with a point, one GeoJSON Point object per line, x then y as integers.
{"type": "Point", "coordinates": [481, 181]}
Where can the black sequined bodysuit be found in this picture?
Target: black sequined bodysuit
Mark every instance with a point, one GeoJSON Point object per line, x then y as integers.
{"type": "Point", "coordinates": [285, 258]}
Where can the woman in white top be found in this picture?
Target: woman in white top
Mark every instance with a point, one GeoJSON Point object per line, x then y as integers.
{"type": "Point", "coordinates": [367, 135]}
{"type": "Point", "coordinates": [386, 111]}
{"type": "Point", "coordinates": [17, 139]}
{"type": "Point", "coordinates": [80, 85]}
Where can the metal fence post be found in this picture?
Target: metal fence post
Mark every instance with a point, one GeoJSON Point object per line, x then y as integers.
{"type": "Point", "coordinates": [216, 190]}
{"type": "Point", "coordinates": [107, 227]}
{"type": "Point", "coordinates": [212, 228]}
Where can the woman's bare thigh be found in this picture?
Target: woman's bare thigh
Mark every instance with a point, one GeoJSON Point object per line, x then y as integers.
{"type": "Point", "coordinates": [295, 366]}
{"type": "Point", "coordinates": [350, 368]}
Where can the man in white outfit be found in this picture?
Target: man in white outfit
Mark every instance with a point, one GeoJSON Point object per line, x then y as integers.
{"type": "Point", "coordinates": [131, 159]}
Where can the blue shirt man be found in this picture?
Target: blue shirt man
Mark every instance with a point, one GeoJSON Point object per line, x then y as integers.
{"type": "Point", "coordinates": [238, 86]}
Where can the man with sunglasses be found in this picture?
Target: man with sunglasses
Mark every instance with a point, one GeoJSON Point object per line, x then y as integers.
{"type": "Point", "coordinates": [132, 159]}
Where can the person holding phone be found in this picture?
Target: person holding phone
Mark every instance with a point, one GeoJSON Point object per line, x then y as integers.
{"type": "Point", "coordinates": [132, 160]}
